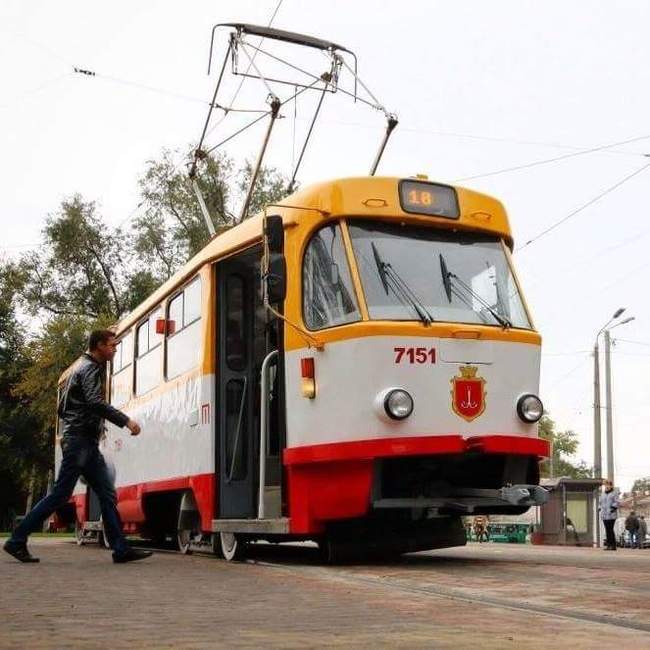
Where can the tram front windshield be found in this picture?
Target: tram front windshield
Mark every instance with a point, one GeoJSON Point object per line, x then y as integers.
{"type": "Point", "coordinates": [419, 273]}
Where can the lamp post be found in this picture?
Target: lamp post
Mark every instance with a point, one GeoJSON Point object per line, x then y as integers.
{"type": "Point", "coordinates": [608, 398]}
{"type": "Point", "coordinates": [598, 467]}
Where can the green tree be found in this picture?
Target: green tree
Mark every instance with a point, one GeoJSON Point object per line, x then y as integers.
{"type": "Point", "coordinates": [641, 485]}
{"type": "Point", "coordinates": [87, 274]}
{"type": "Point", "coordinates": [23, 450]}
{"type": "Point", "coordinates": [171, 228]}
{"type": "Point", "coordinates": [80, 269]}
{"type": "Point", "coordinates": [564, 445]}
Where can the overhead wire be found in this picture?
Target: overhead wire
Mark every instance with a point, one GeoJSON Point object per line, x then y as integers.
{"type": "Point", "coordinates": [571, 214]}
{"type": "Point", "coordinates": [555, 382]}
{"type": "Point", "coordinates": [547, 161]}
{"type": "Point", "coordinates": [645, 343]}
{"type": "Point", "coordinates": [28, 93]}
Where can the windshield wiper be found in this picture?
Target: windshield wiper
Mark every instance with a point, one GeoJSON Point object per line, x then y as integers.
{"type": "Point", "coordinates": [390, 279]}
{"type": "Point", "coordinates": [448, 276]}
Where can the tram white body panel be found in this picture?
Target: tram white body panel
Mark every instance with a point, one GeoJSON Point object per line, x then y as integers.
{"type": "Point", "coordinates": [177, 435]}
{"type": "Point", "coordinates": [351, 374]}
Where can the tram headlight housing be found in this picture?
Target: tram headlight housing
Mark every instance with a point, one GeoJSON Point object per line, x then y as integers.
{"type": "Point", "coordinates": [530, 408]}
{"type": "Point", "coordinates": [398, 404]}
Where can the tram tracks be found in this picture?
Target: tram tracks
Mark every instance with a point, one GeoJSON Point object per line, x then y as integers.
{"type": "Point", "coordinates": [350, 575]}
{"type": "Point", "coordinates": [438, 591]}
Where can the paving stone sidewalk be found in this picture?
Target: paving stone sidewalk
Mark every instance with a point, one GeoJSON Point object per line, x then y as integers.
{"type": "Point", "coordinates": [76, 597]}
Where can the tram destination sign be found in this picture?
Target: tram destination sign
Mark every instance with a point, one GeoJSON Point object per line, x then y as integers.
{"type": "Point", "coordinates": [420, 197]}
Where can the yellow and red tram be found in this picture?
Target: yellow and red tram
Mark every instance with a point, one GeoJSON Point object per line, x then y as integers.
{"type": "Point", "coordinates": [356, 366]}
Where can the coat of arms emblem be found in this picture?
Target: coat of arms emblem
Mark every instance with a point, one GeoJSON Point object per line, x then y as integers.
{"type": "Point", "coordinates": [468, 393]}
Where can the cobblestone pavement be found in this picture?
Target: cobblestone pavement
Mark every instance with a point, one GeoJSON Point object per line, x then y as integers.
{"type": "Point", "coordinates": [481, 596]}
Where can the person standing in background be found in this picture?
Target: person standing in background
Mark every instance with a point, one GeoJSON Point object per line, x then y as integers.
{"type": "Point", "coordinates": [632, 527]}
{"type": "Point", "coordinates": [608, 513]}
{"type": "Point", "coordinates": [643, 530]}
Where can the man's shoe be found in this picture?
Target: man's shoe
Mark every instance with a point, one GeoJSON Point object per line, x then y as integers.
{"type": "Point", "coordinates": [131, 555]}
{"type": "Point", "coordinates": [19, 551]}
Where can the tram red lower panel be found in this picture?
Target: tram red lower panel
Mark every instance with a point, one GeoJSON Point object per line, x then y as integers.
{"type": "Point", "coordinates": [333, 481]}
{"type": "Point", "coordinates": [130, 498]}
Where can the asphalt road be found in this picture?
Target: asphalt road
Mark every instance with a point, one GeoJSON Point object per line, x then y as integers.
{"type": "Point", "coordinates": [480, 596]}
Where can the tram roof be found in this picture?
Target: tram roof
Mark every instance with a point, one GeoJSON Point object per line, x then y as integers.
{"type": "Point", "coordinates": [365, 197]}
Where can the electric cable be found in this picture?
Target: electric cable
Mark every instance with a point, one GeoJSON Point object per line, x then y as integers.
{"type": "Point", "coordinates": [583, 206]}
{"type": "Point", "coordinates": [552, 160]}
{"type": "Point", "coordinates": [633, 342]}
{"type": "Point", "coordinates": [33, 91]}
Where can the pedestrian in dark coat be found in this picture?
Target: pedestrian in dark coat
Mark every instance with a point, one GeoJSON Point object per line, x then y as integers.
{"type": "Point", "coordinates": [643, 530]}
{"type": "Point", "coordinates": [82, 409]}
{"type": "Point", "coordinates": [632, 527]}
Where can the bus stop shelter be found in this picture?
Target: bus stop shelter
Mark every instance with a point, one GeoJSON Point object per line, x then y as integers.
{"type": "Point", "coordinates": [570, 516]}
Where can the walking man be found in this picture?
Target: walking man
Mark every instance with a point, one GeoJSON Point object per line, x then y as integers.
{"type": "Point", "coordinates": [82, 409]}
{"type": "Point", "coordinates": [608, 513]}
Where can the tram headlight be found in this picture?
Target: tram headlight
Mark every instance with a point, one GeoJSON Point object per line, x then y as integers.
{"type": "Point", "coordinates": [530, 408]}
{"type": "Point", "coordinates": [398, 404]}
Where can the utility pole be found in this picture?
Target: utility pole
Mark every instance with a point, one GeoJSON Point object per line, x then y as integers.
{"type": "Point", "coordinates": [608, 395]}
{"type": "Point", "coordinates": [598, 468]}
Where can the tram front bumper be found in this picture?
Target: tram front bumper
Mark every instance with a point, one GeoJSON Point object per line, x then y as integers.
{"type": "Point", "coordinates": [469, 501]}
{"type": "Point", "coordinates": [448, 474]}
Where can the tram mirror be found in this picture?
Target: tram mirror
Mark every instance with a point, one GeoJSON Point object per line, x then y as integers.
{"type": "Point", "coordinates": [274, 233]}
{"type": "Point", "coordinates": [275, 279]}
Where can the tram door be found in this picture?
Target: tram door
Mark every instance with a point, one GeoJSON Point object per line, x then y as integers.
{"type": "Point", "coordinates": [242, 344]}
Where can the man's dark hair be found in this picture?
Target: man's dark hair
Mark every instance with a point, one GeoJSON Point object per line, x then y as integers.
{"type": "Point", "coordinates": [99, 336]}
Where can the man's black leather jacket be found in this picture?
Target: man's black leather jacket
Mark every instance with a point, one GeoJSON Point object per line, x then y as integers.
{"type": "Point", "coordinates": [82, 406]}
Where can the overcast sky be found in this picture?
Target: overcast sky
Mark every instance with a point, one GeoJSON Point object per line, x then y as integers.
{"type": "Point", "coordinates": [479, 87]}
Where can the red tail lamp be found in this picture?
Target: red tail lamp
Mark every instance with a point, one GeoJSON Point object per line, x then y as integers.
{"type": "Point", "coordinates": [165, 326]}
{"type": "Point", "coordinates": [308, 374]}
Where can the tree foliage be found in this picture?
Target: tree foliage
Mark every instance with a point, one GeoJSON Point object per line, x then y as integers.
{"type": "Point", "coordinates": [641, 485]}
{"type": "Point", "coordinates": [22, 445]}
{"type": "Point", "coordinates": [172, 228]}
{"type": "Point", "coordinates": [79, 270]}
{"type": "Point", "coordinates": [87, 274]}
{"type": "Point", "coordinates": [564, 445]}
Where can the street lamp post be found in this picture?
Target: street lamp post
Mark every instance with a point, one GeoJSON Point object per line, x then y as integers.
{"type": "Point", "coordinates": [598, 457]}
{"type": "Point", "coordinates": [598, 468]}
{"type": "Point", "coordinates": [608, 403]}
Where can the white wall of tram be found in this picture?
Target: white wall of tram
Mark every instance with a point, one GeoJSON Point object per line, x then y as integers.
{"type": "Point", "coordinates": [177, 438]}
{"type": "Point", "coordinates": [350, 374]}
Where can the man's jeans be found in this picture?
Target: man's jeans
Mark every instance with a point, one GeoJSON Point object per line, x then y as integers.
{"type": "Point", "coordinates": [81, 457]}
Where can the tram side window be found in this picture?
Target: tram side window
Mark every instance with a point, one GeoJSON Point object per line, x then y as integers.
{"type": "Point", "coordinates": [148, 370]}
{"type": "Point", "coordinates": [121, 372]}
{"type": "Point", "coordinates": [184, 330]}
{"type": "Point", "coordinates": [328, 294]}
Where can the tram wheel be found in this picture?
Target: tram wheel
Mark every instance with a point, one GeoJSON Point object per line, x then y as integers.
{"type": "Point", "coordinates": [80, 538]}
{"type": "Point", "coordinates": [102, 538]}
{"type": "Point", "coordinates": [232, 547]}
{"type": "Point", "coordinates": [333, 551]}
{"type": "Point", "coordinates": [184, 541]}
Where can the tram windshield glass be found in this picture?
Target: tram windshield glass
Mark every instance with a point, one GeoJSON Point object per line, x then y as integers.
{"type": "Point", "coordinates": [418, 273]}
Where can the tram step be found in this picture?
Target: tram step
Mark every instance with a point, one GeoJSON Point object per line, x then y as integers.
{"type": "Point", "coordinates": [277, 526]}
